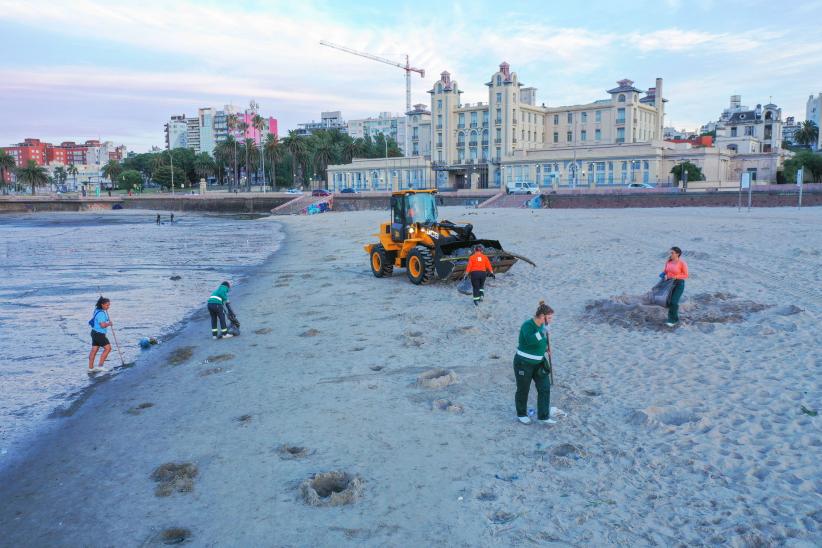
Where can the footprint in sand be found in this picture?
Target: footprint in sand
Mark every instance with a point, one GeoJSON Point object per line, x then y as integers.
{"type": "Point", "coordinates": [181, 355]}
{"type": "Point", "coordinates": [137, 409]}
{"type": "Point", "coordinates": [263, 331]}
{"type": "Point", "coordinates": [211, 371]}
{"type": "Point", "coordinates": [332, 489]}
{"type": "Point", "coordinates": [244, 420]}
{"type": "Point", "coordinates": [436, 378]}
{"type": "Point", "coordinates": [172, 476]}
{"type": "Point", "coordinates": [218, 358]}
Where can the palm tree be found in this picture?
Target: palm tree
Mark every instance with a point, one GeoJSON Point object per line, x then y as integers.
{"type": "Point", "coordinates": [7, 165]}
{"type": "Point", "coordinates": [275, 151]}
{"type": "Point", "coordinates": [33, 175]}
{"type": "Point", "coordinates": [225, 153]}
{"type": "Point", "coordinates": [296, 149]}
{"type": "Point", "coordinates": [72, 170]}
{"type": "Point", "coordinates": [323, 152]}
{"type": "Point", "coordinates": [243, 127]}
{"type": "Point", "coordinates": [808, 134]}
{"type": "Point", "coordinates": [204, 165]}
{"type": "Point", "coordinates": [233, 122]}
{"type": "Point", "coordinates": [258, 122]}
{"type": "Point", "coordinates": [60, 175]}
{"type": "Point", "coordinates": [112, 170]}
{"type": "Point", "coordinates": [252, 159]}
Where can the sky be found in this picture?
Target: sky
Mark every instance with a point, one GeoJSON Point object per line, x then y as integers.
{"type": "Point", "coordinates": [88, 69]}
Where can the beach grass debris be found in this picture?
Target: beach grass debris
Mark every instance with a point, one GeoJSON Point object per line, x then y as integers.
{"type": "Point", "coordinates": [173, 476]}
{"type": "Point", "coordinates": [290, 452]}
{"type": "Point", "coordinates": [809, 412]}
{"type": "Point", "coordinates": [436, 378]}
{"type": "Point", "coordinates": [175, 535]}
{"type": "Point", "coordinates": [244, 419]}
{"type": "Point", "coordinates": [211, 371]}
{"type": "Point", "coordinates": [487, 496]}
{"type": "Point", "coordinates": [217, 358]}
{"type": "Point", "coordinates": [137, 409]}
{"type": "Point", "coordinates": [332, 489]}
{"type": "Point", "coordinates": [263, 331]}
{"type": "Point", "coordinates": [181, 355]}
{"type": "Point", "coordinates": [501, 517]}
{"type": "Point", "coordinates": [443, 404]}
{"type": "Point", "coordinates": [175, 278]}
{"type": "Point", "coordinates": [310, 333]}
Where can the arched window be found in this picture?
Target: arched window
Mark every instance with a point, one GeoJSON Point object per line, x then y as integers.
{"type": "Point", "coordinates": [473, 139]}
{"type": "Point", "coordinates": [461, 139]}
{"type": "Point", "coordinates": [621, 98]}
{"type": "Point", "coordinates": [439, 88]}
{"type": "Point", "coordinates": [769, 115]}
{"type": "Point", "coordinates": [499, 80]}
{"type": "Point", "coordinates": [484, 137]}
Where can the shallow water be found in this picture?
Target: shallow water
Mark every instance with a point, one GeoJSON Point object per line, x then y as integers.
{"type": "Point", "coordinates": [54, 266]}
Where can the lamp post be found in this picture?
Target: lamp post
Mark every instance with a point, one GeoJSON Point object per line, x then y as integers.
{"type": "Point", "coordinates": [171, 159]}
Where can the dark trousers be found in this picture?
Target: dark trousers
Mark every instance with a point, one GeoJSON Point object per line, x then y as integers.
{"type": "Point", "coordinates": [217, 312]}
{"type": "Point", "coordinates": [676, 294]}
{"type": "Point", "coordinates": [478, 283]}
{"type": "Point", "coordinates": [524, 373]}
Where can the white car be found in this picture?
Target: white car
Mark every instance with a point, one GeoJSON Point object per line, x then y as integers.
{"type": "Point", "coordinates": [641, 185]}
{"type": "Point", "coordinates": [293, 191]}
{"type": "Point", "coordinates": [521, 187]}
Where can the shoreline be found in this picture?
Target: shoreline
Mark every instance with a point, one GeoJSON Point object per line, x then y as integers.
{"type": "Point", "coordinates": [659, 446]}
{"type": "Point", "coordinates": [67, 403]}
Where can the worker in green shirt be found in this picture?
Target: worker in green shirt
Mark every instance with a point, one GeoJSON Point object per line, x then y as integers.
{"type": "Point", "coordinates": [530, 365]}
{"type": "Point", "coordinates": [216, 301]}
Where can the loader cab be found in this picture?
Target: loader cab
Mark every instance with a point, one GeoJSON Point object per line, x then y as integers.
{"type": "Point", "coordinates": [409, 208]}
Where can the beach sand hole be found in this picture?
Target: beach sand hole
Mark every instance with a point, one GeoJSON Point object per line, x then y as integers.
{"type": "Point", "coordinates": [447, 405]}
{"type": "Point", "coordinates": [501, 517]}
{"type": "Point", "coordinates": [592, 392]}
{"type": "Point", "coordinates": [331, 489]}
{"type": "Point", "coordinates": [211, 371]}
{"type": "Point", "coordinates": [377, 367]}
{"type": "Point", "coordinates": [175, 535]}
{"type": "Point", "coordinates": [487, 496]}
{"type": "Point", "coordinates": [263, 331]}
{"type": "Point", "coordinates": [217, 358]}
{"type": "Point", "coordinates": [310, 333]}
{"type": "Point", "coordinates": [436, 378]}
{"type": "Point", "coordinates": [172, 476]}
{"type": "Point", "coordinates": [137, 409]}
{"type": "Point", "coordinates": [181, 355]}
{"type": "Point", "coordinates": [288, 452]}
{"type": "Point", "coordinates": [244, 419]}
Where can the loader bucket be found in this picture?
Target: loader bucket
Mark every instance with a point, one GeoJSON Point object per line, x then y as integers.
{"type": "Point", "coordinates": [451, 259]}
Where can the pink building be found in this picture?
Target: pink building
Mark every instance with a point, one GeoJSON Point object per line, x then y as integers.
{"type": "Point", "coordinates": [252, 133]}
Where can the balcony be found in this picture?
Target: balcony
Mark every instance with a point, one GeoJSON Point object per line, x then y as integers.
{"type": "Point", "coordinates": [514, 121]}
{"type": "Point", "coordinates": [439, 126]}
{"type": "Point", "coordinates": [472, 144]}
{"type": "Point", "coordinates": [498, 121]}
{"type": "Point", "coordinates": [473, 124]}
{"type": "Point", "coordinates": [514, 140]}
{"type": "Point", "coordinates": [620, 121]}
{"type": "Point", "coordinates": [461, 125]}
{"type": "Point", "coordinates": [460, 144]}
{"type": "Point", "coordinates": [485, 142]}
{"type": "Point", "coordinates": [497, 141]}
{"type": "Point", "coordinates": [620, 140]}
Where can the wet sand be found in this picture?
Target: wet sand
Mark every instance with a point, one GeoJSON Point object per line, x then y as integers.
{"type": "Point", "coordinates": [695, 435]}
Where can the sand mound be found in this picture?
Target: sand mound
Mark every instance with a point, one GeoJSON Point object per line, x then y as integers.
{"type": "Point", "coordinates": [137, 409]}
{"type": "Point", "coordinates": [310, 333]}
{"type": "Point", "coordinates": [244, 419]}
{"type": "Point", "coordinates": [447, 405]}
{"type": "Point", "coordinates": [217, 358]}
{"type": "Point", "coordinates": [174, 535]}
{"type": "Point", "coordinates": [633, 312]}
{"type": "Point", "coordinates": [289, 452]}
{"type": "Point", "coordinates": [662, 417]}
{"type": "Point", "coordinates": [211, 371]}
{"type": "Point", "coordinates": [263, 331]}
{"type": "Point", "coordinates": [501, 517]}
{"type": "Point", "coordinates": [331, 489]}
{"type": "Point", "coordinates": [173, 476]}
{"type": "Point", "coordinates": [436, 378]}
{"type": "Point", "coordinates": [181, 355]}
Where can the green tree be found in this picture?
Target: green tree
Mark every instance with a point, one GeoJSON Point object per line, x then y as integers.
{"type": "Point", "coordinates": [130, 179]}
{"type": "Point", "coordinates": [323, 154]}
{"type": "Point", "coordinates": [252, 159]}
{"type": "Point", "coordinates": [7, 165]}
{"type": "Point", "coordinates": [812, 162]}
{"type": "Point", "coordinates": [33, 175]}
{"type": "Point", "coordinates": [162, 176]}
{"type": "Point", "coordinates": [297, 150]}
{"type": "Point", "coordinates": [111, 170]}
{"type": "Point", "coordinates": [225, 156]}
{"type": "Point", "coordinates": [259, 123]}
{"type": "Point", "coordinates": [60, 175]}
{"type": "Point", "coordinates": [204, 165]}
{"type": "Point", "coordinates": [72, 170]}
{"type": "Point", "coordinates": [275, 152]}
{"type": "Point", "coordinates": [808, 134]}
{"type": "Point", "coordinates": [693, 172]}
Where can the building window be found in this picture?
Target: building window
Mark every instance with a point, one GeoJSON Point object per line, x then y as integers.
{"type": "Point", "coordinates": [733, 132]}
{"type": "Point", "coordinates": [556, 119]}
{"type": "Point", "coordinates": [461, 121]}
{"type": "Point", "coordinates": [598, 116]}
{"type": "Point", "coordinates": [499, 80]}
{"type": "Point", "coordinates": [583, 136]}
{"type": "Point", "coordinates": [749, 130]}
{"type": "Point", "coordinates": [556, 137]}
{"type": "Point", "coordinates": [570, 117]}
{"type": "Point", "coordinates": [484, 118]}
{"type": "Point", "coordinates": [597, 134]}
{"type": "Point", "coordinates": [499, 116]}
{"type": "Point", "coordinates": [621, 135]}
{"type": "Point", "coordinates": [584, 117]}
{"type": "Point", "coordinates": [499, 97]}
{"type": "Point", "coordinates": [439, 104]}
{"type": "Point", "coordinates": [621, 98]}
{"type": "Point", "coordinates": [620, 116]}
{"type": "Point", "coordinates": [474, 119]}
{"type": "Point", "coordinates": [499, 153]}
{"type": "Point", "coordinates": [569, 136]}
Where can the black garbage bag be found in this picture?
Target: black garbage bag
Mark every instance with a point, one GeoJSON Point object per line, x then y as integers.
{"type": "Point", "coordinates": [235, 323]}
{"type": "Point", "coordinates": [660, 294]}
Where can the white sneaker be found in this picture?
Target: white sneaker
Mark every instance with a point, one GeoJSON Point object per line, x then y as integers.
{"type": "Point", "coordinates": [670, 324]}
{"type": "Point", "coordinates": [548, 421]}
{"type": "Point", "coordinates": [557, 412]}
{"type": "Point", "coordinates": [524, 420]}
{"type": "Point", "coordinates": [227, 336]}
{"type": "Point", "coordinates": [101, 369]}
{"type": "Point", "coordinates": [214, 337]}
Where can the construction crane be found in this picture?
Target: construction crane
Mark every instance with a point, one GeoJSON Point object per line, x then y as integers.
{"type": "Point", "coordinates": [406, 67]}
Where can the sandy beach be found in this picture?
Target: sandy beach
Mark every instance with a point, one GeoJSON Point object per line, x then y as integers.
{"type": "Point", "coordinates": [700, 435]}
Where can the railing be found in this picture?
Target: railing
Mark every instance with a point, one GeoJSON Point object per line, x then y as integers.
{"type": "Point", "coordinates": [497, 141]}
{"type": "Point", "coordinates": [498, 121]}
{"type": "Point", "coordinates": [439, 126]}
{"type": "Point", "coordinates": [461, 125]}
{"type": "Point", "coordinates": [473, 124]}
{"type": "Point", "coordinates": [472, 144]}
{"type": "Point", "coordinates": [485, 142]}
{"type": "Point", "coordinates": [514, 121]}
{"type": "Point", "coordinates": [460, 144]}
{"type": "Point", "coordinates": [620, 120]}
{"type": "Point", "coordinates": [620, 140]}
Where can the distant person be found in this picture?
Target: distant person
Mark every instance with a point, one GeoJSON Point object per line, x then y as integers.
{"type": "Point", "coordinates": [83, 190]}
{"type": "Point", "coordinates": [109, 192]}
{"type": "Point", "coordinates": [675, 269]}
{"type": "Point", "coordinates": [530, 364]}
{"type": "Point", "coordinates": [479, 268]}
{"type": "Point", "coordinates": [216, 301]}
{"type": "Point", "coordinates": [158, 219]}
{"type": "Point", "coordinates": [99, 323]}
{"type": "Point", "coordinates": [172, 218]}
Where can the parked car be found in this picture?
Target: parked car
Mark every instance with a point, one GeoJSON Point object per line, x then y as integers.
{"type": "Point", "coordinates": [293, 191]}
{"type": "Point", "coordinates": [320, 192]}
{"type": "Point", "coordinates": [349, 190]}
{"type": "Point", "coordinates": [641, 185]}
{"type": "Point", "coordinates": [521, 187]}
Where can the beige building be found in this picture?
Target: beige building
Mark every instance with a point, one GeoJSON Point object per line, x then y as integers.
{"type": "Point", "coordinates": [392, 174]}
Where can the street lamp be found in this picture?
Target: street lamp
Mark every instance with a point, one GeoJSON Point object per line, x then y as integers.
{"type": "Point", "coordinates": [171, 158]}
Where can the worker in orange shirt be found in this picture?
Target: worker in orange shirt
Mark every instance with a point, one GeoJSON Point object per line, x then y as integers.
{"type": "Point", "coordinates": [677, 270]}
{"type": "Point", "coordinates": [479, 267]}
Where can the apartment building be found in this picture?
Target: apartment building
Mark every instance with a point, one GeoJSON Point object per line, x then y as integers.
{"type": "Point", "coordinates": [813, 112]}
{"type": "Point", "coordinates": [202, 132]}
{"type": "Point", "coordinates": [385, 123]}
{"type": "Point", "coordinates": [328, 120]}
{"type": "Point", "coordinates": [418, 131]}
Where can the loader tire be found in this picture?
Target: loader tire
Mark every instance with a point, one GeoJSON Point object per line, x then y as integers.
{"type": "Point", "coordinates": [420, 265]}
{"type": "Point", "coordinates": [382, 262]}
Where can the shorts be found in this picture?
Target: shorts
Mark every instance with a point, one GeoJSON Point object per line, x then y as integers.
{"type": "Point", "coordinates": [99, 339]}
